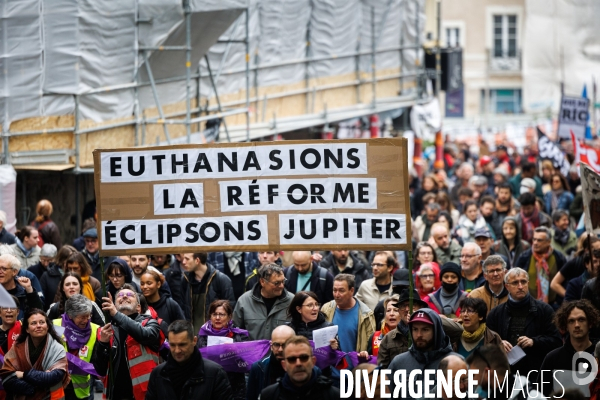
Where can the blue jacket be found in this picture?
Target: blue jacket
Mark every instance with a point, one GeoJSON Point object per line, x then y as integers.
{"type": "Point", "coordinates": [260, 373]}
{"type": "Point", "coordinates": [564, 202]}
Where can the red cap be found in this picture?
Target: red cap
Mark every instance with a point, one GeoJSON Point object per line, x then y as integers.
{"type": "Point", "coordinates": [484, 160]}
{"type": "Point", "coordinates": [420, 316]}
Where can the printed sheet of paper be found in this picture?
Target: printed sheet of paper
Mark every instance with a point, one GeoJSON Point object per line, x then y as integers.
{"type": "Point", "coordinates": [515, 355]}
{"type": "Point", "coordinates": [321, 337]}
{"type": "Point", "coordinates": [215, 340]}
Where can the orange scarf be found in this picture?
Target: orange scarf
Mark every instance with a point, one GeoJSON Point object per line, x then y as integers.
{"type": "Point", "coordinates": [87, 290]}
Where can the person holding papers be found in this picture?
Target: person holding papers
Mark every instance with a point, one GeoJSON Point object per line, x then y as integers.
{"type": "Point", "coordinates": [524, 321]}
{"type": "Point", "coordinates": [221, 325]}
{"type": "Point", "coordinates": [306, 316]}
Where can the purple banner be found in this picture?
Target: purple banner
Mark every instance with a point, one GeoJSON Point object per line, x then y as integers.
{"type": "Point", "coordinates": [79, 367]}
{"type": "Point", "coordinates": [237, 357]}
{"type": "Point", "coordinates": [1, 363]}
{"type": "Point", "coordinates": [326, 356]}
{"type": "Point", "coordinates": [353, 355]}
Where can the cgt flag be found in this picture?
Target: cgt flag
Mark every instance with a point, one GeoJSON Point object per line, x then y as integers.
{"type": "Point", "coordinates": [585, 154]}
{"type": "Point", "coordinates": [590, 184]}
{"type": "Point", "coordinates": [550, 151]}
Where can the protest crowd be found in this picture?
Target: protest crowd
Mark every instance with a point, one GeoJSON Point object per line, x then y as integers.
{"type": "Point", "coordinates": [504, 281]}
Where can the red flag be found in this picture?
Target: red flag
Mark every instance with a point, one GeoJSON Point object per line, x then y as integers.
{"type": "Point", "coordinates": [586, 154]}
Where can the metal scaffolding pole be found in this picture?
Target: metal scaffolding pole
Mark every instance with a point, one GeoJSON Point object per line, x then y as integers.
{"type": "Point", "coordinates": [417, 60]}
{"type": "Point", "coordinates": [247, 73]}
{"type": "Point", "coordinates": [307, 64]}
{"type": "Point", "coordinates": [212, 81]}
{"type": "Point", "coordinates": [188, 70]}
{"type": "Point", "coordinates": [373, 67]}
{"type": "Point", "coordinates": [155, 93]}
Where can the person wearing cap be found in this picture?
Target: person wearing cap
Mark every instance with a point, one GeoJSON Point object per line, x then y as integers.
{"type": "Point", "coordinates": [527, 186]}
{"type": "Point", "coordinates": [479, 185]}
{"type": "Point", "coordinates": [379, 287]}
{"type": "Point", "coordinates": [524, 321]}
{"type": "Point", "coordinates": [493, 292]}
{"type": "Point", "coordinates": [446, 300]}
{"type": "Point", "coordinates": [47, 255]}
{"type": "Point", "coordinates": [542, 263]}
{"type": "Point", "coordinates": [483, 239]}
{"type": "Point", "coordinates": [5, 236]}
{"type": "Point", "coordinates": [470, 265]}
{"type": "Point", "coordinates": [399, 283]}
{"type": "Point", "coordinates": [528, 170]}
{"type": "Point", "coordinates": [530, 217]}
{"type": "Point", "coordinates": [91, 253]}
{"type": "Point", "coordinates": [306, 275]}
{"type": "Point", "coordinates": [430, 345]}
{"type": "Point", "coordinates": [487, 165]}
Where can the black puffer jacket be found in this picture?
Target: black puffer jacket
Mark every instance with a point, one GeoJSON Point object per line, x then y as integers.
{"type": "Point", "coordinates": [307, 329]}
{"type": "Point", "coordinates": [50, 281]}
{"type": "Point", "coordinates": [208, 382]}
{"type": "Point", "coordinates": [167, 309]}
{"type": "Point", "coordinates": [359, 269]}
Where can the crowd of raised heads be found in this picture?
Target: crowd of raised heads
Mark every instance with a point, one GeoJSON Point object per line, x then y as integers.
{"type": "Point", "coordinates": [501, 266]}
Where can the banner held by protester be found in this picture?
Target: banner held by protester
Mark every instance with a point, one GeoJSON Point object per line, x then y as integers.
{"type": "Point", "coordinates": [590, 184]}
{"type": "Point", "coordinates": [292, 195]}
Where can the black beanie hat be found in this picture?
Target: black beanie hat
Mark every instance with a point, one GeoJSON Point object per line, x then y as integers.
{"type": "Point", "coordinates": [450, 267]}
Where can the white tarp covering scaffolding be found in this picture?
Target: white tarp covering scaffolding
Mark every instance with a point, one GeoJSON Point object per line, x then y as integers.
{"type": "Point", "coordinates": [562, 43]}
{"type": "Point", "coordinates": [51, 50]}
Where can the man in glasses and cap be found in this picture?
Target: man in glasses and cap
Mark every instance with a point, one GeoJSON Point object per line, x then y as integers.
{"type": "Point", "coordinates": [302, 378]}
{"type": "Point", "coordinates": [134, 338]}
{"type": "Point", "coordinates": [396, 341]}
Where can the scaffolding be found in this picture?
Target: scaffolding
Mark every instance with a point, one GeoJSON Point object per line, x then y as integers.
{"type": "Point", "coordinates": [263, 126]}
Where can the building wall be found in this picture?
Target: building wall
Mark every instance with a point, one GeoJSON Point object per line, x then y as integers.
{"type": "Point", "coordinates": [474, 21]}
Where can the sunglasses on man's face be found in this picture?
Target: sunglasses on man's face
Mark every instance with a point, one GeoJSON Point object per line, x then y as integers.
{"type": "Point", "coordinates": [303, 358]}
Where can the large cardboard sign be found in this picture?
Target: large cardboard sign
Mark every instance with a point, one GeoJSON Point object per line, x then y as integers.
{"type": "Point", "coordinates": [289, 195]}
{"type": "Point", "coordinates": [573, 117]}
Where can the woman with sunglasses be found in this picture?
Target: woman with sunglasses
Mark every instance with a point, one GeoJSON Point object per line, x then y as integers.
{"type": "Point", "coordinates": [36, 366]}
{"type": "Point", "coordinates": [79, 338]}
{"type": "Point", "coordinates": [165, 307]}
{"type": "Point", "coordinates": [221, 324]}
{"type": "Point", "coordinates": [473, 312]}
{"type": "Point", "coordinates": [91, 288]}
{"type": "Point", "coordinates": [10, 327]}
{"type": "Point", "coordinates": [69, 286]}
{"type": "Point", "coordinates": [118, 274]}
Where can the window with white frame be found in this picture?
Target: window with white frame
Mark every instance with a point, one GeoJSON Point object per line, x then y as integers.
{"type": "Point", "coordinates": [505, 36]}
{"type": "Point", "coordinates": [502, 101]}
{"type": "Point", "coordinates": [452, 37]}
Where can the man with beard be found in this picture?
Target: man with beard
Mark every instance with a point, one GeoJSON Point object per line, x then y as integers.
{"type": "Point", "coordinates": [134, 339]}
{"type": "Point", "coordinates": [302, 378]}
{"type": "Point", "coordinates": [186, 374]}
{"type": "Point", "coordinates": [344, 262]}
{"type": "Point", "coordinates": [139, 264]}
{"type": "Point", "coordinates": [446, 248]}
{"type": "Point", "coordinates": [530, 217]}
{"type": "Point", "coordinates": [577, 318]}
{"type": "Point", "coordinates": [470, 265]}
{"type": "Point", "coordinates": [430, 346]}
{"type": "Point", "coordinates": [267, 371]}
{"type": "Point", "coordinates": [506, 204]}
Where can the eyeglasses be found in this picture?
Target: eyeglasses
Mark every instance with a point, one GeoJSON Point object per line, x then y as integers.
{"type": "Point", "coordinates": [116, 276]}
{"type": "Point", "coordinates": [303, 358]}
{"type": "Point", "coordinates": [4, 269]}
{"type": "Point", "coordinates": [427, 276]}
{"type": "Point", "coordinates": [495, 271]}
{"type": "Point", "coordinates": [467, 311]}
{"type": "Point", "coordinates": [278, 283]}
{"type": "Point", "coordinates": [218, 315]}
{"type": "Point", "coordinates": [128, 294]}
{"type": "Point", "coordinates": [468, 255]}
{"type": "Point", "coordinates": [378, 265]}
{"type": "Point", "coordinates": [9, 309]}
{"type": "Point", "coordinates": [276, 345]}
{"type": "Point", "coordinates": [312, 305]}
